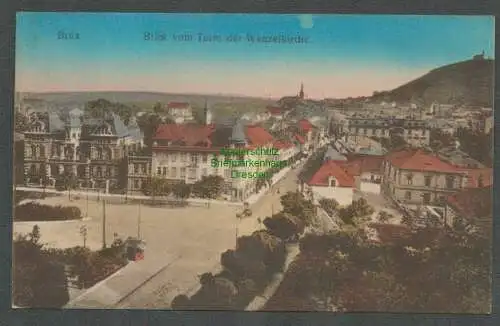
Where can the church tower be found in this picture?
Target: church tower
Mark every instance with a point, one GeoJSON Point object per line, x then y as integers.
{"type": "Point", "coordinates": [301, 93]}
{"type": "Point", "coordinates": [207, 115]}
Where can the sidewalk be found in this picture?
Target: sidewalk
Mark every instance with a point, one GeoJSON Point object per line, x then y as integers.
{"type": "Point", "coordinates": [120, 285]}
{"type": "Point", "coordinates": [94, 194]}
{"type": "Point", "coordinates": [259, 301]}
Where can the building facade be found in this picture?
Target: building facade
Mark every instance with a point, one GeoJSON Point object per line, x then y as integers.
{"type": "Point", "coordinates": [418, 178]}
{"type": "Point", "coordinates": [90, 150]}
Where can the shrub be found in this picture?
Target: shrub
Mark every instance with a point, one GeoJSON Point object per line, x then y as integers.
{"type": "Point", "coordinates": [329, 205]}
{"type": "Point", "coordinates": [38, 279]}
{"type": "Point", "coordinates": [284, 226]}
{"type": "Point", "coordinates": [38, 212]}
{"type": "Point", "coordinates": [180, 302]}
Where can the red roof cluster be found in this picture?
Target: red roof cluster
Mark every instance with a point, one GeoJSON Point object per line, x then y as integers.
{"type": "Point", "coordinates": [281, 144]}
{"type": "Point", "coordinates": [305, 125]}
{"type": "Point", "coordinates": [189, 134]}
{"type": "Point", "coordinates": [300, 139]}
{"type": "Point", "coordinates": [332, 169]}
{"type": "Point", "coordinates": [364, 164]}
{"type": "Point", "coordinates": [420, 161]}
{"type": "Point", "coordinates": [258, 136]}
{"type": "Point", "coordinates": [275, 110]}
{"type": "Point", "coordinates": [178, 105]}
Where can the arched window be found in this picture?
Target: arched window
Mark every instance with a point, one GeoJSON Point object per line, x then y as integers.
{"type": "Point", "coordinates": [99, 153]}
{"type": "Point", "coordinates": [99, 172]}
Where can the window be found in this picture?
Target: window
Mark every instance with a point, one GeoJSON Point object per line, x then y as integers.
{"type": "Point", "coordinates": [136, 168]}
{"type": "Point", "coordinates": [183, 172]}
{"type": "Point", "coordinates": [144, 169]}
{"type": "Point", "coordinates": [164, 171]}
{"type": "Point", "coordinates": [108, 171]}
{"type": "Point", "coordinates": [409, 177]}
{"type": "Point", "coordinates": [205, 158]}
{"type": "Point", "coordinates": [183, 157]}
{"type": "Point", "coordinates": [158, 171]}
{"type": "Point", "coordinates": [173, 172]}
{"type": "Point", "coordinates": [136, 184]}
{"type": "Point", "coordinates": [192, 173]}
{"type": "Point", "coordinates": [227, 173]}
{"type": "Point", "coordinates": [204, 172]}
{"type": "Point", "coordinates": [174, 157]}
{"type": "Point", "coordinates": [426, 198]}
{"type": "Point", "coordinates": [194, 158]}
{"type": "Point", "coordinates": [99, 171]}
{"type": "Point", "coordinates": [394, 174]}
{"type": "Point", "coordinates": [408, 195]}
{"type": "Point", "coordinates": [428, 180]}
{"type": "Point", "coordinates": [333, 182]}
{"type": "Point", "coordinates": [480, 181]}
{"type": "Point", "coordinates": [450, 181]}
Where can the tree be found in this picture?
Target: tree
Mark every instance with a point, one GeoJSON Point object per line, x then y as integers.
{"type": "Point", "coordinates": [208, 187]}
{"type": "Point", "coordinates": [155, 186]}
{"type": "Point", "coordinates": [45, 182]}
{"type": "Point", "coordinates": [329, 205]}
{"type": "Point", "coordinates": [149, 123]}
{"type": "Point", "coordinates": [430, 270]}
{"type": "Point", "coordinates": [158, 108]}
{"type": "Point", "coordinates": [181, 190]}
{"type": "Point", "coordinates": [294, 203]}
{"type": "Point", "coordinates": [21, 122]}
{"type": "Point", "coordinates": [284, 226]}
{"type": "Point", "coordinates": [39, 281]}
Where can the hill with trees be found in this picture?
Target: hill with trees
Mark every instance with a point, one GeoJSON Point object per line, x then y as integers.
{"type": "Point", "coordinates": [468, 82]}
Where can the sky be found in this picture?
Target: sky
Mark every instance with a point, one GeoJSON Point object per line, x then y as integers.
{"type": "Point", "coordinates": [345, 55]}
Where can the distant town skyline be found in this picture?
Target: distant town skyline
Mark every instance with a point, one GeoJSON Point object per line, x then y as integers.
{"type": "Point", "coordinates": [346, 55]}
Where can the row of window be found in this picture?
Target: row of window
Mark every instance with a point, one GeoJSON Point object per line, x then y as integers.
{"type": "Point", "coordinates": [193, 157]}
{"type": "Point", "coordinates": [192, 173]}
{"type": "Point", "coordinates": [426, 197]}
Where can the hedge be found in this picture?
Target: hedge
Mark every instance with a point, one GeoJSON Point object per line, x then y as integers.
{"type": "Point", "coordinates": [39, 212]}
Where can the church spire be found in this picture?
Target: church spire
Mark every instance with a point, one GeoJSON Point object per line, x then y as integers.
{"type": "Point", "coordinates": [301, 93]}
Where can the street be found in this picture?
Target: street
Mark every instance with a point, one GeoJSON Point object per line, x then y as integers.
{"type": "Point", "coordinates": [200, 253]}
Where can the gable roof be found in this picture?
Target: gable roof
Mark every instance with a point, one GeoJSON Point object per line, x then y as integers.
{"type": "Point", "coordinates": [419, 160]}
{"type": "Point", "coordinates": [258, 136]}
{"type": "Point", "coordinates": [189, 134]}
{"type": "Point", "coordinates": [331, 169]}
{"type": "Point", "coordinates": [305, 125]}
{"type": "Point", "coordinates": [178, 105]}
{"type": "Point", "coordinates": [364, 164]}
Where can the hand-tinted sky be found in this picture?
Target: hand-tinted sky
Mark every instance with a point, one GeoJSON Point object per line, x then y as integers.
{"type": "Point", "coordinates": [347, 55]}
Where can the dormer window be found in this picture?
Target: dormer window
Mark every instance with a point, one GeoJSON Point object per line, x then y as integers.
{"type": "Point", "coordinates": [332, 182]}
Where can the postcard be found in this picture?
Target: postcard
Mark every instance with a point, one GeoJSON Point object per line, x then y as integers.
{"type": "Point", "coordinates": [254, 162]}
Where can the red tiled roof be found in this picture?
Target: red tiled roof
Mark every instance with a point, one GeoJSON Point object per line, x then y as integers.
{"type": "Point", "coordinates": [474, 175]}
{"type": "Point", "coordinates": [473, 203]}
{"type": "Point", "coordinates": [281, 144]}
{"type": "Point", "coordinates": [258, 136]}
{"type": "Point", "coordinates": [420, 161]}
{"type": "Point", "coordinates": [364, 164]}
{"type": "Point", "coordinates": [275, 110]}
{"type": "Point", "coordinates": [190, 134]}
{"type": "Point", "coordinates": [177, 105]}
{"type": "Point", "coordinates": [300, 139]}
{"type": "Point", "coordinates": [331, 169]}
{"type": "Point", "coordinates": [305, 125]}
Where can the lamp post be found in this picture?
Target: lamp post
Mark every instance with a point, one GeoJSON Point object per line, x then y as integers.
{"type": "Point", "coordinates": [104, 224]}
{"type": "Point", "coordinates": [139, 221]}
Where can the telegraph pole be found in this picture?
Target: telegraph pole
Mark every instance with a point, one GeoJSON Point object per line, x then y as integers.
{"type": "Point", "coordinates": [104, 224]}
{"type": "Point", "coordinates": [139, 222]}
